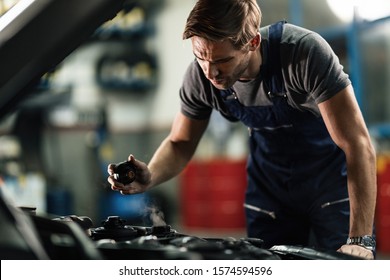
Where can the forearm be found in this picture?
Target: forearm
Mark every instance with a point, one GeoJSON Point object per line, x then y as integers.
{"type": "Point", "coordinates": [177, 149]}
{"type": "Point", "coordinates": [347, 128]}
{"type": "Point", "coordinates": [169, 160]}
{"type": "Point", "coordinates": [362, 187]}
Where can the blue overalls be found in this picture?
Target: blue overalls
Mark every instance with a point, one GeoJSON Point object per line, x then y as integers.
{"type": "Point", "coordinates": [297, 180]}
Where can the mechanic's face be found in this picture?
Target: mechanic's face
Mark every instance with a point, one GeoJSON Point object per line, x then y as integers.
{"type": "Point", "coordinates": [221, 63]}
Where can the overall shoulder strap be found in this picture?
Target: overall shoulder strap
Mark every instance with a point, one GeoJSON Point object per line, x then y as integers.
{"type": "Point", "coordinates": [274, 71]}
{"type": "Point", "coordinates": [275, 77]}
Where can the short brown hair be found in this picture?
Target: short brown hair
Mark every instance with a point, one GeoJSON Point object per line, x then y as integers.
{"type": "Point", "coordinates": [218, 20]}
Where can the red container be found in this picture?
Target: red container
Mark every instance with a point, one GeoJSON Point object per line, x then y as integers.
{"type": "Point", "coordinates": [383, 204]}
{"type": "Point", "coordinates": [212, 194]}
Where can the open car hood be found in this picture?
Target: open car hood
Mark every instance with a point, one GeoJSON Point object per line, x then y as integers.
{"type": "Point", "coordinates": [36, 35]}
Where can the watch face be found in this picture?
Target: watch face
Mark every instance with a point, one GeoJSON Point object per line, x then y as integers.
{"type": "Point", "coordinates": [368, 241]}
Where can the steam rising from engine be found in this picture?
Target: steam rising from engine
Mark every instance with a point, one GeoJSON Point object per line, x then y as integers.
{"type": "Point", "coordinates": [156, 216]}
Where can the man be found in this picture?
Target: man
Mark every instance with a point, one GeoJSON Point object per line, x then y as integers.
{"type": "Point", "coordinates": [312, 167]}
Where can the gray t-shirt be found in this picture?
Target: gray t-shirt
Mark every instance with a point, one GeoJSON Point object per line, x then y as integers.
{"type": "Point", "coordinates": [311, 71]}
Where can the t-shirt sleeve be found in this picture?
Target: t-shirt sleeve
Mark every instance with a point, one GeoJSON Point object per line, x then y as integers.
{"type": "Point", "coordinates": [194, 94]}
{"type": "Point", "coordinates": [323, 75]}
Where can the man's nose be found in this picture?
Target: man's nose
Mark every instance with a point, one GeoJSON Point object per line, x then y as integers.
{"type": "Point", "coordinates": [210, 70]}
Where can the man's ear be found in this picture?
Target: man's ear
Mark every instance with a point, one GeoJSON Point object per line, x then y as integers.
{"type": "Point", "coordinates": [255, 42]}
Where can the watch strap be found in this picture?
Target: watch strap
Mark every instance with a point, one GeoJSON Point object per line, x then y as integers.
{"type": "Point", "coordinates": [356, 240]}
{"type": "Point", "coordinates": [365, 241]}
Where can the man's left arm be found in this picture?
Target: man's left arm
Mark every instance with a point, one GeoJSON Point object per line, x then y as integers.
{"type": "Point", "coordinates": [348, 130]}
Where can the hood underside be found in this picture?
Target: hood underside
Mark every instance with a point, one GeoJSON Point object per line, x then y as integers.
{"type": "Point", "coordinates": [36, 35]}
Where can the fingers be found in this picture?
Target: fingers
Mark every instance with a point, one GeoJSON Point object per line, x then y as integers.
{"type": "Point", "coordinates": [110, 169]}
{"type": "Point", "coordinates": [357, 251]}
{"type": "Point", "coordinates": [119, 187]}
{"type": "Point", "coordinates": [128, 191]}
{"type": "Point", "coordinates": [115, 185]}
{"type": "Point", "coordinates": [133, 187]}
{"type": "Point", "coordinates": [135, 162]}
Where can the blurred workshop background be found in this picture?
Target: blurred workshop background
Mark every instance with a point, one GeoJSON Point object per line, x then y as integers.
{"type": "Point", "coordinates": [118, 94]}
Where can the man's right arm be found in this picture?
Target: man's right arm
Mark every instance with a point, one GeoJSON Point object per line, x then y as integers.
{"type": "Point", "coordinates": [177, 149]}
{"type": "Point", "coordinates": [169, 159]}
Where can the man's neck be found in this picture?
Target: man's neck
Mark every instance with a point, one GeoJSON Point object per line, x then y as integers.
{"type": "Point", "coordinates": [254, 66]}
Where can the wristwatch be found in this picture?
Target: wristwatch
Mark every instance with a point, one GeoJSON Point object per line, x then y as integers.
{"type": "Point", "coordinates": [365, 241]}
